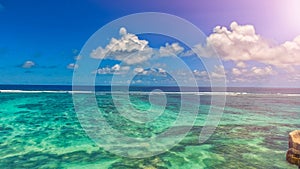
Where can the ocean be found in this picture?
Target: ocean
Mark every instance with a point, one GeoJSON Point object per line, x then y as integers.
{"type": "Point", "coordinates": [39, 128]}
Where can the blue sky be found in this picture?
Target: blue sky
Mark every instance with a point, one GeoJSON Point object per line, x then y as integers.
{"type": "Point", "coordinates": [40, 39]}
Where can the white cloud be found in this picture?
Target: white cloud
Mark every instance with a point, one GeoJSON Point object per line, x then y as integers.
{"type": "Point", "coordinates": [129, 49]}
{"type": "Point", "coordinates": [241, 43]}
{"type": "Point", "coordinates": [99, 53]}
{"type": "Point", "coordinates": [236, 71]}
{"type": "Point", "coordinates": [241, 65]}
{"type": "Point", "coordinates": [219, 72]}
{"type": "Point", "coordinates": [161, 70]}
{"type": "Point", "coordinates": [138, 70]}
{"type": "Point", "coordinates": [72, 66]}
{"type": "Point", "coordinates": [262, 71]}
{"type": "Point", "coordinates": [252, 74]}
{"type": "Point", "coordinates": [28, 64]}
{"type": "Point", "coordinates": [200, 73]}
{"type": "Point", "coordinates": [116, 69]}
{"type": "Point", "coordinates": [170, 50]}
{"type": "Point", "coordinates": [123, 31]}
{"type": "Point", "coordinates": [105, 70]}
{"type": "Point", "coordinates": [150, 71]}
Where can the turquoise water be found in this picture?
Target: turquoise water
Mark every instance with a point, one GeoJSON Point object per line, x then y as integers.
{"type": "Point", "coordinates": [41, 130]}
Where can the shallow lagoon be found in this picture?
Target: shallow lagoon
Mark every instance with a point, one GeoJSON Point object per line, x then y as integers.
{"type": "Point", "coordinates": [41, 130]}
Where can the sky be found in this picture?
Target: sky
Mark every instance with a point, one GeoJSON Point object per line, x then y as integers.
{"type": "Point", "coordinates": [258, 42]}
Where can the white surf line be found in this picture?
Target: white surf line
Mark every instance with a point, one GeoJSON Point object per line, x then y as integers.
{"type": "Point", "coordinates": [31, 91]}
{"type": "Point", "coordinates": [43, 91]}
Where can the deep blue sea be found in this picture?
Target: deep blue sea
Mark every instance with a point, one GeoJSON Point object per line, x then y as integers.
{"type": "Point", "coordinates": [43, 130]}
{"type": "Point", "coordinates": [258, 90]}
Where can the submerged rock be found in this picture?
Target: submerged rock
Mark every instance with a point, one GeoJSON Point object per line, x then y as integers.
{"type": "Point", "coordinates": [293, 154]}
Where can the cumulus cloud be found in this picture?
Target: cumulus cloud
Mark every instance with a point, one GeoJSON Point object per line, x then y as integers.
{"type": "Point", "coordinates": [254, 71]}
{"type": "Point", "coordinates": [72, 66]}
{"type": "Point", "coordinates": [241, 43]}
{"type": "Point", "coordinates": [132, 50]}
{"type": "Point", "coordinates": [129, 49]}
{"type": "Point", "coordinates": [123, 31]}
{"type": "Point", "coordinates": [150, 71]}
{"type": "Point", "coordinates": [252, 74]}
{"type": "Point", "coordinates": [237, 72]}
{"type": "Point", "coordinates": [138, 70]}
{"type": "Point", "coordinates": [200, 73]}
{"type": "Point", "coordinates": [262, 71]}
{"type": "Point", "coordinates": [218, 73]}
{"type": "Point", "coordinates": [170, 50]}
{"type": "Point", "coordinates": [241, 65]}
{"type": "Point", "coordinates": [116, 69]}
{"type": "Point", "coordinates": [28, 64]}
